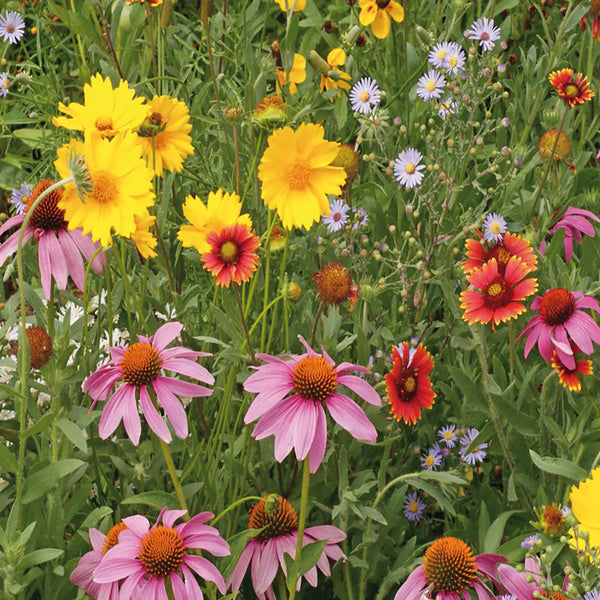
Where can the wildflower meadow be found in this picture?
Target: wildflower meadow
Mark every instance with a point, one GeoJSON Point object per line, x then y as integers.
{"type": "Point", "coordinates": [300, 299]}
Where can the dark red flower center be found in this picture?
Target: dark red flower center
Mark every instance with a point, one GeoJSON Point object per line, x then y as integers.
{"type": "Point", "coordinates": [485, 36]}
{"type": "Point", "coordinates": [140, 364]}
{"type": "Point", "coordinates": [557, 306]}
{"type": "Point", "coordinates": [497, 292]}
{"type": "Point", "coordinates": [449, 565]}
{"type": "Point", "coordinates": [40, 346]}
{"type": "Point", "coordinates": [274, 515]}
{"type": "Point", "coordinates": [501, 254]}
{"type": "Point", "coordinates": [406, 385]}
{"type": "Point", "coordinates": [314, 378]}
{"type": "Point", "coordinates": [162, 551]}
{"type": "Point", "coordinates": [382, 4]}
{"type": "Point", "coordinates": [46, 214]}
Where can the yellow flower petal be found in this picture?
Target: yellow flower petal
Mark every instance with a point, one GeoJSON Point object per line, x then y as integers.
{"type": "Point", "coordinates": [381, 25]}
{"type": "Point", "coordinates": [395, 11]}
{"type": "Point", "coordinates": [336, 57]}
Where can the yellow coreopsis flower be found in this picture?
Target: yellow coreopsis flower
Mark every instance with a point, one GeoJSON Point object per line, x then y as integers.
{"type": "Point", "coordinates": [164, 134]}
{"type": "Point", "coordinates": [296, 75]}
{"type": "Point", "coordinates": [221, 210]}
{"type": "Point", "coordinates": [120, 186]}
{"type": "Point", "coordinates": [297, 175]}
{"type": "Point", "coordinates": [287, 4]}
{"type": "Point", "coordinates": [145, 242]}
{"type": "Point", "coordinates": [335, 59]}
{"type": "Point", "coordinates": [106, 110]}
{"type": "Point", "coordinates": [377, 13]}
{"type": "Point", "coordinates": [584, 504]}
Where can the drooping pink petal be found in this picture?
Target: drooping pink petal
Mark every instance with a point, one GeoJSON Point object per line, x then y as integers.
{"type": "Point", "coordinates": [113, 412]}
{"type": "Point", "coordinates": [265, 401]}
{"type": "Point", "coordinates": [234, 581]}
{"type": "Point", "coordinates": [15, 221]}
{"type": "Point", "coordinates": [576, 329]}
{"type": "Point", "coordinates": [88, 248]}
{"type": "Point", "coordinates": [153, 418]}
{"type": "Point", "coordinates": [411, 589]}
{"type": "Point", "coordinates": [9, 246]}
{"type": "Point", "coordinates": [192, 588]}
{"type": "Point", "coordinates": [515, 583]}
{"type": "Point", "coordinates": [114, 568]}
{"type": "Point", "coordinates": [269, 423]}
{"type": "Point", "coordinates": [264, 570]}
{"type": "Point", "coordinates": [305, 423]}
{"type": "Point", "coordinates": [351, 417]}
{"type": "Point", "coordinates": [178, 587]}
{"type": "Point", "coordinates": [131, 417]}
{"type": "Point", "coordinates": [488, 564]}
{"type": "Point", "coordinates": [189, 368]}
{"type": "Point", "coordinates": [99, 384]}
{"type": "Point", "coordinates": [172, 407]}
{"type": "Point", "coordinates": [359, 386]}
{"type": "Point", "coordinates": [72, 258]}
{"type": "Point", "coordinates": [206, 570]}
{"type": "Point", "coordinates": [183, 388]}
{"type": "Point", "coordinates": [165, 334]}
{"type": "Point", "coordinates": [317, 452]}
{"type": "Point", "coordinates": [332, 534]}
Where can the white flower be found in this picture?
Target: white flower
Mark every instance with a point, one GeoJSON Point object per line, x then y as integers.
{"type": "Point", "coordinates": [430, 85]}
{"type": "Point", "coordinates": [437, 55]}
{"type": "Point", "coordinates": [455, 58]}
{"type": "Point", "coordinates": [483, 30]}
{"type": "Point", "coordinates": [447, 107]}
{"type": "Point", "coordinates": [494, 227]}
{"type": "Point", "coordinates": [407, 169]}
{"type": "Point", "coordinates": [365, 96]}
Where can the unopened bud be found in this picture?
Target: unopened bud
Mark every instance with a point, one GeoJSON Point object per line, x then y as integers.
{"type": "Point", "coordinates": [318, 63]}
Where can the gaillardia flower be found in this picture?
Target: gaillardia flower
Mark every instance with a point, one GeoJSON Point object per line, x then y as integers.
{"type": "Point", "coordinates": [232, 255]}
{"type": "Point", "coordinates": [377, 13]}
{"type": "Point", "coordinates": [121, 186]}
{"type": "Point", "coordinates": [569, 377]}
{"type": "Point", "coordinates": [561, 317]}
{"type": "Point", "coordinates": [164, 134]}
{"type": "Point", "coordinates": [334, 283]}
{"type": "Point", "coordinates": [139, 367]}
{"type": "Point", "coordinates": [60, 249]}
{"type": "Point", "coordinates": [145, 557]}
{"type": "Point", "coordinates": [297, 175]}
{"type": "Point", "coordinates": [291, 398]}
{"type": "Point", "coordinates": [573, 89]}
{"type": "Point", "coordinates": [497, 297]}
{"type": "Point", "coordinates": [408, 384]}
{"type": "Point", "coordinates": [509, 245]}
{"type": "Point", "coordinates": [450, 571]}
{"type": "Point", "coordinates": [106, 111]}
{"type": "Point", "coordinates": [264, 554]}
{"type": "Point", "coordinates": [221, 210]}
{"type": "Point", "coordinates": [584, 504]}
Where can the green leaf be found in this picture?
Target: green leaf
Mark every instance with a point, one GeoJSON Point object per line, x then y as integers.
{"type": "Point", "coordinates": [310, 555]}
{"type": "Point", "coordinates": [237, 543]}
{"type": "Point", "coordinates": [73, 433]}
{"type": "Point", "coordinates": [37, 557]}
{"type": "Point", "coordinates": [578, 12]}
{"type": "Point", "coordinates": [155, 499]}
{"type": "Point", "coordinates": [7, 460]}
{"type": "Point", "coordinates": [558, 466]}
{"type": "Point", "coordinates": [496, 531]}
{"type": "Point", "coordinates": [39, 426]}
{"type": "Point", "coordinates": [47, 478]}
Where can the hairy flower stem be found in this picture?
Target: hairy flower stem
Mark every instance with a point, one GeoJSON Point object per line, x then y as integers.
{"type": "Point", "coordinates": [23, 357]}
{"type": "Point", "coordinates": [236, 291]}
{"type": "Point", "coordinates": [313, 335]}
{"type": "Point", "coordinates": [301, 522]}
{"type": "Point", "coordinates": [174, 477]}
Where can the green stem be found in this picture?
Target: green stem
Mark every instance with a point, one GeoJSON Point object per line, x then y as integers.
{"type": "Point", "coordinates": [232, 506]}
{"type": "Point", "coordinates": [236, 291]}
{"type": "Point", "coordinates": [236, 147]}
{"type": "Point", "coordinates": [313, 335]}
{"type": "Point", "coordinates": [301, 522]}
{"type": "Point", "coordinates": [24, 346]}
{"type": "Point", "coordinates": [511, 357]}
{"type": "Point", "coordinates": [86, 297]}
{"type": "Point", "coordinates": [174, 477]}
{"type": "Point", "coordinates": [252, 166]}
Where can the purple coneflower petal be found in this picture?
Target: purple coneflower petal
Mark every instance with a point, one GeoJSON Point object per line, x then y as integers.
{"type": "Point", "coordinates": [152, 416]}
{"type": "Point", "coordinates": [411, 589]}
{"type": "Point", "coordinates": [113, 411]}
{"type": "Point", "coordinates": [131, 417]}
{"type": "Point", "coordinates": [206, 570]}
{"type": "Point", "coordinates": [72, 258]}
{"type": "Point", "coordinates": [192, 589]}
{"type": "Point", "coordinates": [360, 387]}
{"type": "Point", "coordinates": [237, 575]}
{"type": "Point", "coordinates": [172, 407]}
{"type": "Point", "coordinates": [305, 422]}
{"type": "Point", "coordinates": [178, 586]}
{"type": "Point", "coordinates": [189, 368]}
{"type": "Point", "coordinates": [165, 334]}
{"type": "Point", "coordinates": [264, 568]}
{"type": "Point", "coordinates": [265, 401]}
{"type": "Point", "coordinates": [351, 417]}
{"type": "Point", "coordinates": [317, 452]}
{"type": "Point", "coordinates": [182, 388]}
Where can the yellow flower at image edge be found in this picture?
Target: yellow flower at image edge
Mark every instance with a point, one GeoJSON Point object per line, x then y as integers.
{"type": "Point", "coordinates": [297, 175]}
{"type": "Point", "coordinates": [221, 210]}
{"type": "Point", "coordinates": [377, 13]}
{"type": "Point", "coordinates": [121, 186]}
{"type": "Point", "coordinates": [144, 241]}
{"type": "Point", "coordinates": [285, 5]}
{"type": "Point", "coordinates": [584, 504]}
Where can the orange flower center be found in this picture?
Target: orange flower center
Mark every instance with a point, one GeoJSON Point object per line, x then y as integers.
{"type": "Point", "coordinates": [112, 537]}
{"type": "Point", "coordinates": [410, 167]}
{"type": "Point", "coordinates": [553, 595]}
{"type": "Point", "coordinates": [334, 283]}
{"type": "Point", "coordinates": [497, 293]}
{"type": "Point", "coordinates": [104, 190]}
{"type": "Point", "coordinates": [46, 215]}
{"type": "Point", "coordinates": [449, 565]}
{"type": "Point", "coordinates": [314, 378]}
{"type": "Point", "coordinates": [229, 252]}
{"type": "Point", "coordinates": [162, 551]}
{"type": "Point", "coordinates": [103, 123]}
{"type": "Point", "coordinates": [552, 520]}
{"type": "Point", "coordinates": [298, 175]}
{"type": "Point", "coordinates": [40, 346]}
{"type": "Point", "coordinates": [140, 364]}
{"type": "Point", "coordinates": [274, 515]}
{"type": "Point", "coordinates": [557, 306]}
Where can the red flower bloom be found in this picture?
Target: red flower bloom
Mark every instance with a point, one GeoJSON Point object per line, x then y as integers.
{"type": "Point", "coordinates": [568, 377]}
{"type": "Point", "coordinates": [511, 245]}
{"type": "Point", "coordinates": [408, 385]}
{"type": "Point", "coordinates": [498, 296]}
{"type": "Point", "coordinates": [572, 89]}
{"type": "Point", "coordinates": [232, 255]}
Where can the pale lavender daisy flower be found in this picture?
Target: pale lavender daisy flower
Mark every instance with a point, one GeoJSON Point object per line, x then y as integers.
{"type": "Point", "coordinates": [11, 26]}
{"type": "Point", "coordinates": [438, 54]}
{"type": "Point", "coordinates": [530, 541]}
{"type": "Point", "coordinates": [494, 228]}
{"type": "Point", "coordinates": [593, 595]}
{"type": "Point", "coordinates": [483, 30]}
{"type": "Point", "coordinates": [447, 107]}
{"type": "Point", "coordinates": [338, 215]}
{"type": "Point", "coordinates": [407, 169]}
{"type": "Point", "coordinates": [477, 453]}
{"type": "Point", "coordinates": [430, 85]}
{"type": "Point", "coordinates": [432, 459]}
{"type": "Point", "coordinates": [455, 58]}
{"type": "Point", "coordinates": [365, 96]}
{"type": "Point", "coordinates": [19, 196]}
{"type": "Point", "coordinates": [4, 84]}
{"type": "Point", "coordinates": [505, 122]}
{"type": "Point", "coordinates": [414, 507]}
{"type": "Point", "coordinates": [448, 435]}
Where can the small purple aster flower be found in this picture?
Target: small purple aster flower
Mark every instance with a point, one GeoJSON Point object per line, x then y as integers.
{"type": "Point", "coordinates": [448, 435]}
{"type": "Point", "coordinates": [407, 169]}
{"type": "Point", "coordinates": [4, 84]}
{"type": "Point", "coordinates": [483, 30]}
{"type": "Point", "coordinates": [505, 122]}
{"type": "Point", "coordinates": [501, 67]}
{"type": "Point", "coordinates": [476, 454]}
{"type": "Point", "coordinates": [487, 72]}
{"type": "Point", "coordinates": [505, 151]}
{"type": "Point", "coordinates": [517, 161]}
{"type": "Point", "coordinates": [593, 595]}
{"type": "Point", "coordinates": [432, 459]}
{"type": "Point", "coordinates": [414, 507]}
{"type": "Point", "coordinates": [494, 228]}
{"type": "Point", "coordinates": [438, 54]}
{"type": "Point", "coordinates": [530, 541]}
{"type": "Point", "coordinates": [365, 95]}
{"type": "Point", "coordinates": [18, 198]}
{"type": "Point", "coordinates": [430, 85]}
{"type": "Point", "coordinates": [11, 26]}
{"type": "Point", "coordinates": [565, 511]}
{"type": "Point", "coordinates": [338, 215]}
{"type": "Point", "coordinates": [447, 107]}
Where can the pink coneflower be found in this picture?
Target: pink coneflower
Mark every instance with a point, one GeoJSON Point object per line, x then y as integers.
{"type": "Point", "coordinates": [560, 317]}
{"type": "Point", "coordinates": [449, 572]}
{"type": "Point", "coordinates": [139, 366]}
{"type": "Point", "coordinates": [83, 574]}
{"type": "Point", "coordinates": [298, 420]}
{"type": "Point", "coordinates": [59, 249]}
{"type": "Point", "coordinates": [146, 556]}
{"type": "Point", "coordinates": [264, 554]}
